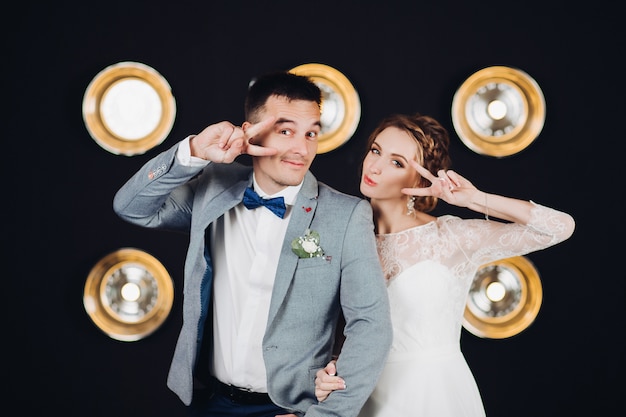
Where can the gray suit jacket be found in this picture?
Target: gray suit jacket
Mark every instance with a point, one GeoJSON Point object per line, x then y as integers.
{"type": "Point", "coordinates": [308, 296]}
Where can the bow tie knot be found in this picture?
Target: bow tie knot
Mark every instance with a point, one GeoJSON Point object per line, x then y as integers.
{"type": "Point", "coordinates": [276, 205]}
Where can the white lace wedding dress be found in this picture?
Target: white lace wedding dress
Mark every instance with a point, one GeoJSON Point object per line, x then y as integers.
{"type": "Point", "coordinates": [430, 269]}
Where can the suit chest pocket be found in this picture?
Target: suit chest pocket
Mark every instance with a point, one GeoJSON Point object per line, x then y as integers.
{"type": "Point", "coordinates": [316, 274]}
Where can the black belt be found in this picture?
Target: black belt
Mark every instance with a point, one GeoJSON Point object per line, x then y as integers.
{"type": "Point", "coordinates": [241, 395]}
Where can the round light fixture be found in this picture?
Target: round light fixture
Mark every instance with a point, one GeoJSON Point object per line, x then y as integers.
{"type": "Point", "coordinates": [341, 106]}
{"type": "Point", "coordinates": [128, 294]}
{"type": "Point", "coordinates": [504, 298]}
{"type": "Point", "coordinates": [128, 108]}
{"type": "Point", "coordinates": [498, 111]}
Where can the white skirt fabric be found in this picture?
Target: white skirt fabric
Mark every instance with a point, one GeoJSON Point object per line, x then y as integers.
{"type": "Point", "coordinates": [425, 385]}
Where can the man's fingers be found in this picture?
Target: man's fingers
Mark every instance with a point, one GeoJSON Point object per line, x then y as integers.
{"type": "Point", "coordinates": [257, 128]}
{"type": "Point", "coordinates": [256, 150]}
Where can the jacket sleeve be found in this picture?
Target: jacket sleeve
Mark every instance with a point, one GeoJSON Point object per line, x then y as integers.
{"type": "Point", "coordinates": [368, 329]}
{"type": "Point", "coordinates": [159, 195]}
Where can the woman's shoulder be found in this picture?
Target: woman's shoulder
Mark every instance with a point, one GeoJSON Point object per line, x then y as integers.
{"type": "Point", "coordinates": [429, 224]}
{"type": "Point", "coordinates": [456, 224]}
{"type": "Point", "coordinates": [449, 219]}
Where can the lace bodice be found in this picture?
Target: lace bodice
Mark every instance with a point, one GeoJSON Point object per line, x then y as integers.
{"type": "Point", "coordinates": [462, 245]}
{"type": "Point", "coordinates": [430, 269]}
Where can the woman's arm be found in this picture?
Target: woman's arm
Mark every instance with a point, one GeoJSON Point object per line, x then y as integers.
{"type": "Point", "coordinates": [455, 189]}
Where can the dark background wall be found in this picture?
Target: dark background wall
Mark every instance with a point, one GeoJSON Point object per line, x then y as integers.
{"type": "Point", "coordinates": [401, 56]}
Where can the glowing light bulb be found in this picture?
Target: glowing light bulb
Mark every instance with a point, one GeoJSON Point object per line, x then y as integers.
{"type": "Point", "coordinates": [496, 109]}
{"type": "Point", "coordinates": [495, 291]}
{"type": "Point", "coordinates": [130, 291]}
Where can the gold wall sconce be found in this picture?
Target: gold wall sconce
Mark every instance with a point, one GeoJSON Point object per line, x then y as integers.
{"type": "Point", "coordinates": [504, 299]}
{"type": "Point", "coordinates": [128, 108]}
{"type": "Point", "coordinates": [341, 105]}
{"type": "Point", "coordinates": [498, 111]}
{"type": "Point", "coordinates": [128, 294]}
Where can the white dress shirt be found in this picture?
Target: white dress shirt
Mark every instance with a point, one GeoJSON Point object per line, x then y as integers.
{"type": "Point", "coordinates": [244, 268]}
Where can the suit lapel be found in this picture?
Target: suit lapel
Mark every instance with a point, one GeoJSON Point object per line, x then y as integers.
{"type": "Point", "coordinates": [224, 201]}
{"type": "Point", "coordinates": [302, 215]}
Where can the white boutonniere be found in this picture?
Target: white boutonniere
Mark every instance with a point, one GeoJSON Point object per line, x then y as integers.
{"type": "Point", "coordinates": [307, 246]}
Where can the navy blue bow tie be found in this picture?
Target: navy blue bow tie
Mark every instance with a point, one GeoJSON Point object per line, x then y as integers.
{"type": "Point", "coordinates": [252, 200]}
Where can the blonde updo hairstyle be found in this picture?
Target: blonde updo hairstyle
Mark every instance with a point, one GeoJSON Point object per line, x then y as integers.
{"type": "Point", "coordinates": [432, 150]}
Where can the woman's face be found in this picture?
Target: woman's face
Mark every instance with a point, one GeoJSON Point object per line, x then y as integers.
{"type": "Point", "coordinates": [386, 169]}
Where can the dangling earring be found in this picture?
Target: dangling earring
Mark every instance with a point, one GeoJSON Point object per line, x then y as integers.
{"type": "Point", "coordinates": [410, 206]}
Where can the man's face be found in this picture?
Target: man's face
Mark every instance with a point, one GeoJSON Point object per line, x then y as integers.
{"type": "Point", "coordinates": [294, 135]}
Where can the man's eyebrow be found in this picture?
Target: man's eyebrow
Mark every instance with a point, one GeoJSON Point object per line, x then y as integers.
{"type": "Point", "coordinates": [283, 120]}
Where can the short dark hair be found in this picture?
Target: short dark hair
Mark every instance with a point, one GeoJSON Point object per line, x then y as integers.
{"type": "Point", "coordinates": [282, 84]}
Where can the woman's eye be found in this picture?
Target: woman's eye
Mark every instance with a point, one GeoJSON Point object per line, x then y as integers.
{"type": "Point", "coordinates": [397, 163]}
{"type": "Point", "coordinates": [376, 151]}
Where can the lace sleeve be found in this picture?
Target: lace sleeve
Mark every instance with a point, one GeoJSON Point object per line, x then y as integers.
{"type": "Point", "coordinates": [464, 244]}
{"type": "Point", "coordinates": [551, 222]}
{"type": "Point", "coordinates": [484, 241]}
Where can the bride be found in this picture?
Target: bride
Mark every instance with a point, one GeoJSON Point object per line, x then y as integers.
{"type": "Point", "coordinates": [429, 264]}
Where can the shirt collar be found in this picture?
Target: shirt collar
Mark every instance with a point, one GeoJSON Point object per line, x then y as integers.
{"type": "Point", "coordinates": [289, 194]}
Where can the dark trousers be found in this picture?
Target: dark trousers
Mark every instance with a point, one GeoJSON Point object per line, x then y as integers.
{"type": "Point", "coordinates": [217, 405]}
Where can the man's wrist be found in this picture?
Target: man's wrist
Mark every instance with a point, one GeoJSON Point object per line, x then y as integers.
{"type": "Point", "coordinates": [184, 157]}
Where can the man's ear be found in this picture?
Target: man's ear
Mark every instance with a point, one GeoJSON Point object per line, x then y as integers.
{"type": "Point", "coordinates": [245, 126]}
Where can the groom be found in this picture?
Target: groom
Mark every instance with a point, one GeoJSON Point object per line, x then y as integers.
{"type": "Point", "coordinates": [266, 282]}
